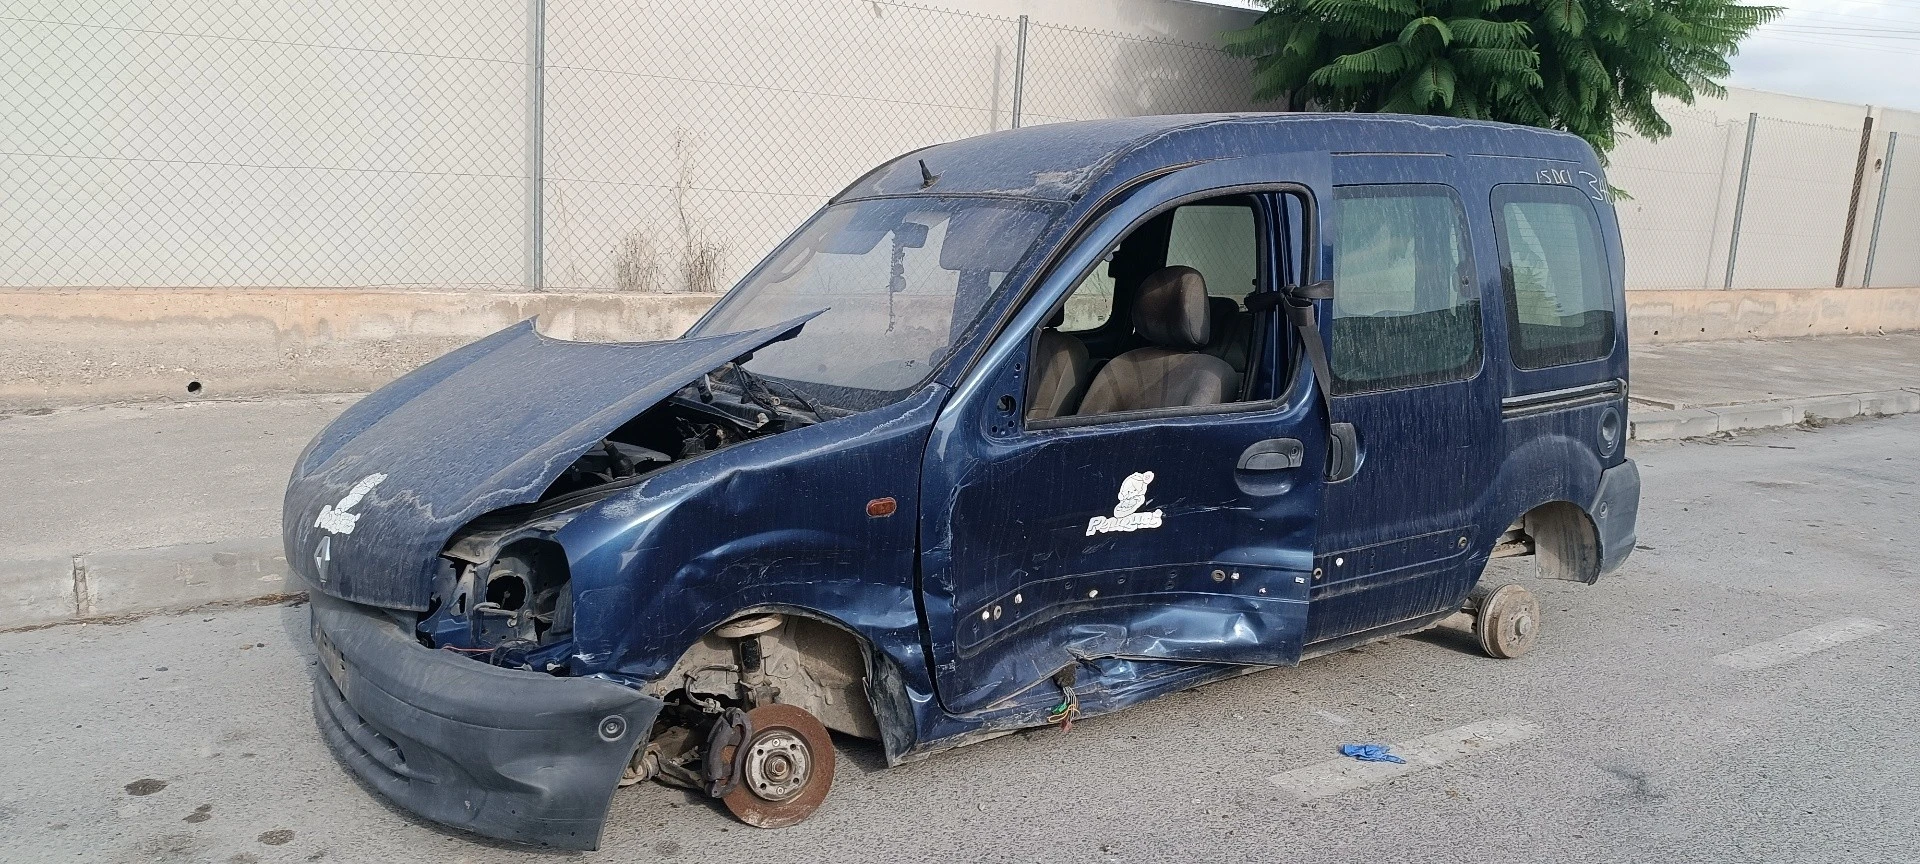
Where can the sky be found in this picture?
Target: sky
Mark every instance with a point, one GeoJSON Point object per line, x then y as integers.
{"type": "Point", "coordinates": [1863, 51]}
{"type": "Point", "coordinates": [1860, 51]}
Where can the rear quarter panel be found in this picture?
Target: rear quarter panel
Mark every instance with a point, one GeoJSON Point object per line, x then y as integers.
{"type": "Point", "coordinates": [1552, 455]}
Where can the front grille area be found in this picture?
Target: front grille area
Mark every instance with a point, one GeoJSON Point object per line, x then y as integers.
{"type": "Point", "coordinates": [346, 728]}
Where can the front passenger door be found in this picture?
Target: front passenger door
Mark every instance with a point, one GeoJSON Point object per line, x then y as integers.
{"type": "Point", "coordinates": [1169, 534]}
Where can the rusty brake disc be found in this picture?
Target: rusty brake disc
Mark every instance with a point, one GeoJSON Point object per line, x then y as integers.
{"type": "Point", "coordinates": [788, 768]}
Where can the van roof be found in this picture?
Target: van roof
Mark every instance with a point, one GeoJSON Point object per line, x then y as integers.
{"type": "Point", "coordinates": [1060, 161]}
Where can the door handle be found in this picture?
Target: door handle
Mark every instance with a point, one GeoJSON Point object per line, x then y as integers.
{"type": "Point", "coordinates": [1273, 454]}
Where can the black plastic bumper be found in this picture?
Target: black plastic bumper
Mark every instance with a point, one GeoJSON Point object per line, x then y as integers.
{"type": "Point", "coordinates": [1615, 510]}
{"type": "Point", "coordinates": [512, 754]}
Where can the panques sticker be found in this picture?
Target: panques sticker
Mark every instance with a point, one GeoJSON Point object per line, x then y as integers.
{"type": "Point", "coordinates": [1126, 514]}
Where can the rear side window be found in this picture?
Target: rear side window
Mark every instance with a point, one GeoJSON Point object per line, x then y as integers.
{"type": "Point", "coordinates": [1554, 263]}
{"type": "Point", "coordinates": [1406, 310]}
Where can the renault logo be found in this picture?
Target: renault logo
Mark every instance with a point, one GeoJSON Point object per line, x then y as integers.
{"type": "Point", "coordinates": [322, 554]}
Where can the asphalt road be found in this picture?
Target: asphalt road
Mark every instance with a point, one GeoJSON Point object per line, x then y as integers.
{"type": "Point", "coordinates": [1639, 745]}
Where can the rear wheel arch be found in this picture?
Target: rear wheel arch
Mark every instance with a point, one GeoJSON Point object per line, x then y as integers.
{"type": "Point", "coordinates": [1540, 487]}
{"type": "Point", "coordinates": [1565, 541]}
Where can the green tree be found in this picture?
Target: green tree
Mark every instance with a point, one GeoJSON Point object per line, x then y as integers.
{"type": "Point", "coordinates": [1584, 66]}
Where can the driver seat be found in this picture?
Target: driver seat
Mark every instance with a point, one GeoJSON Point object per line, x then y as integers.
{"type": "Point", "coordinates": [1172, 313]}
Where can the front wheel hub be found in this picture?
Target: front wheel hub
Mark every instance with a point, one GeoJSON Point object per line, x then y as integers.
{"type": "Point", "coordinates": [788, 770]}
{"type": "Point", "coordinates": [778, 764]}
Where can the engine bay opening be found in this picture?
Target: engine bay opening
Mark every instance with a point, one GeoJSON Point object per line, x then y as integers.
{"type": "Point", "coordinates": [721, 409]}
{"type": "Point", "coordinates": [505, 595]}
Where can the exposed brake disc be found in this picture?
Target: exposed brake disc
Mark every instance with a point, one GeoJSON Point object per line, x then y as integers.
{"type": "Point", "coordinates": [788, 768]}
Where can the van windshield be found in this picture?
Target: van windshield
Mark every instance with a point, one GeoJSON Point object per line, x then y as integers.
{"type": "Point", "coordinates": [900, 280]}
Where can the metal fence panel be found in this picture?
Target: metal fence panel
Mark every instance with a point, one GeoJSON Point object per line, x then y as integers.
{"type": "Point", "coordinates": [195, 143]}
{"type": "Point", "coordinates": [1079, 74]}
{"type": "Point", "coordinates": [1896, 250]}
{"type": "Point", "coordinates": [1796, 207]}
{"type": "Point", "coordinates": [684, 140]}
{"type": "Point", "coordinates": [1672, 218]}
{"type": "Point", "coordinates": [663, 147]}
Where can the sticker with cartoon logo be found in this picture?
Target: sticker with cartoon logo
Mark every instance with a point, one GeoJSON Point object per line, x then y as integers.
{"type": "Point", "coordinates": [334, 518]}
{"type": "Point", "coordinates": [1126, 514]}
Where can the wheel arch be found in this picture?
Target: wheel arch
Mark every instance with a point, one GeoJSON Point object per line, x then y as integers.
{"type": "Point", "coordinates": [817, 662]}
{"type": "Point", "coordinates": [1565, 541]}
{"type": "Point", "coordinates": [1541, 487]}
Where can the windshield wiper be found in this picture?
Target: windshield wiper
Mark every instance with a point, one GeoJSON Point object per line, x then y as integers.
{"type": "Point", "coordinates": [765, 398]}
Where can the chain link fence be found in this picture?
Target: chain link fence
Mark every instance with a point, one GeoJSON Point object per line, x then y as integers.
{"type": "Point", "coordinates": [1765, 203]}
{"type": "Point", "coordinates": [684, 140]}
{"type": "Point", "coordinates": [1893, 247]}
{"type": "Point", "coordinates": [639, 145]}
{"type": "Point", "coordinates": [1673, 191]}
{"type": "Point", "coordinates": [201, 143]}
{"type": "Point", "coordinates": [1794, 217]}
{"type": "Point", "coordinates": [1078, 74]}
{"type": "Point", "coordinates": [563, 144]}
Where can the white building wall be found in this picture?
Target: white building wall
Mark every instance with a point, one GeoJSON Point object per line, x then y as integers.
{"type": "Point", "coordinates": [1896, 257]}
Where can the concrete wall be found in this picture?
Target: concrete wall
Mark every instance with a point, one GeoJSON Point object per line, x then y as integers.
{"type": "Point", "coordinates": [84, 347]}
{"type": "Point", "coordinates": [88, 346]}
{"type": "Point", "coordinates": [1669, 315]}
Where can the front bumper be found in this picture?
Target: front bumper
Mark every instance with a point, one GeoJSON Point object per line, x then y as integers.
{"type": "Point", "coordinates": [512, 754]}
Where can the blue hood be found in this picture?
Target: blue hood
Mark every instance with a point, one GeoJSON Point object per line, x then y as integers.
{"type": "Point", "coordinates": [377, 494]}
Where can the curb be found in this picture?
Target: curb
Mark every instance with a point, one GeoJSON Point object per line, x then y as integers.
{"type": "Point", "coordinates": [1667, 425]}
{"type": "Point", "coordinates": [126, 581]}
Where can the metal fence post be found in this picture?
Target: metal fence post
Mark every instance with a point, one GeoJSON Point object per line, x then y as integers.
{"type": "Point", "coordinates": [1740, 202]}
{"type": "Point", "coordinates": [1880, 209]}
{"type": "Point", "coordinates": [536, 143]}
{"type": "Point", "coordinates": [1019, 69]}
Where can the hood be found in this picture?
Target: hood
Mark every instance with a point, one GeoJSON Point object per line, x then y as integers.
{"type": "Point", "coordinates": [377, 493]}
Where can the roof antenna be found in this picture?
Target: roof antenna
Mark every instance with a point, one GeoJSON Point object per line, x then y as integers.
{"type": "Point", "coordinates": [927, 178]}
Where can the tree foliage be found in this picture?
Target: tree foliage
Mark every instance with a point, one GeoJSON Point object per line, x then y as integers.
{"type": "Point", "coordinates": [1587, 67]}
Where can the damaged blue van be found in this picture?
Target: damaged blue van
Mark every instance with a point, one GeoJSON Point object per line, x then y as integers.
{"type": "Point", "coordinates": [1016, 429]}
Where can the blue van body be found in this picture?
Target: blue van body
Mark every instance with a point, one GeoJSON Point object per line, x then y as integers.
{"type": "Point", "coordinates": [971, 553]}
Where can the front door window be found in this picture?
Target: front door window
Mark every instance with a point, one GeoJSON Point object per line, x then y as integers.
{"type": "Point", "coordinates": [1162, 325]}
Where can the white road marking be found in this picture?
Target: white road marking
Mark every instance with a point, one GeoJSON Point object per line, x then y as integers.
{"type": "Point", "coordinates": [1800, 643]}
{"type": "Point", "coordinates": [1345, 774]}
{"type": "Point", "coordinates": [1331, 717]}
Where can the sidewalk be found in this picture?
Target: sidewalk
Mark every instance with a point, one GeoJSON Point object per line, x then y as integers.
{"type": "Point", "coordinates": [1692, 389]}
{"type": "Point", "coordinates": [126, 508]}
{"type": "Point", "coordinates": [122, 509]}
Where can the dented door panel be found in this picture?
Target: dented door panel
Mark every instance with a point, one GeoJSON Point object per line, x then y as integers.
{"type": "Point", "coordinates": [1044, 571]}
{"type": "Point", "coordinates": [1045, 550]}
